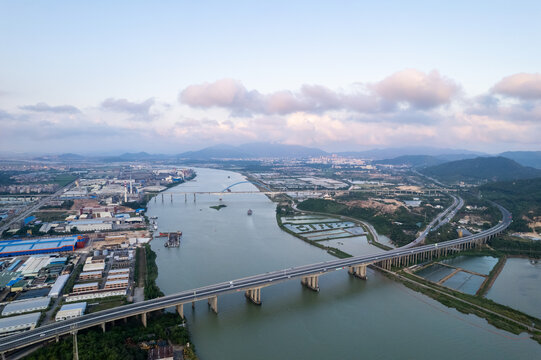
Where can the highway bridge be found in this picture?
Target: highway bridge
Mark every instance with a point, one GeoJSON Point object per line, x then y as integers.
{"type": "Point", "coordinates": [251, 286]}
{"type": "Point", "coordinates": [440, 220]}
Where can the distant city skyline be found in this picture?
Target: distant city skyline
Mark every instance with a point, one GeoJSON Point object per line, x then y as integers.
{"type": "Point", "coordinates": [168, 77]}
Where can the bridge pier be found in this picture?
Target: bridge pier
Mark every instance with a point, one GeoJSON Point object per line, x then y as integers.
{"type": "Point", "coordinates": [254, 295]}
{"type": "Point", "coordinates": [311, 282]}
{"type": "Point", "coordinates": [103, 326]}
{"type": "Point", "coordinates": [358, 271]}
{"type": "Point", "coordinates": [180, 310]}
{"type": "Point", "coordinates": [144, 319]}
{"type": "Point", "coordinates": [75, 347]}
{"type": "Point", "coordinates": [213, 303]}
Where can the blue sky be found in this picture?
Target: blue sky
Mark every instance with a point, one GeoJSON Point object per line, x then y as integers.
{"type": "Point", "coordinates": [124, 66]}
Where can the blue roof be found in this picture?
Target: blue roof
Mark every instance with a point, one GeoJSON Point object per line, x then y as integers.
{"type": "Point", "coordinates": [32, 245]}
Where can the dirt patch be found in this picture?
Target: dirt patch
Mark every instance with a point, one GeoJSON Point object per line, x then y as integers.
{"type": "Point", "coordinates": [387, 206]}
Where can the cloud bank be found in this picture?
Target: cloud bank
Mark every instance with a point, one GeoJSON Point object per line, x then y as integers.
{"type": "Point", "coordinates": [408, 107]}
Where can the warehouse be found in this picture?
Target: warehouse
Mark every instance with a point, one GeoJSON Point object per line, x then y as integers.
{"type": "Point", "coordinates": [33, 265]}
{"type": "Point", "coordinates": [118, 276]}
{"type": "Point", "coordinates": [89, 275]}
{"type": "Point", "coordinates": [69, 311]}
{"type": "Point", "coordinates": [116, 284]}
{"type": "Point", "coordinates": [94, 267]}
{"type": "Point", "coordinates": [56, 290]}
{"type": "Point", "coordinates": [79, 288]}
{"type": "Point", "coordinates": [14, 324]}
{"type": "Point", "coordinates": [41, 245]}
{"type": "Point", "coordinates": [20, 307]}
{"type": "Point", "coordinates": [119, 271]}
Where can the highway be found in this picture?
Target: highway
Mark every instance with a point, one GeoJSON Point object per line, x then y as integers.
{"type": "Point", "coordinates": [443, 218]}
{"type": "Point", "coordinates": [50, 331]}
{"type": "Point", "coordinates": [33, 207]}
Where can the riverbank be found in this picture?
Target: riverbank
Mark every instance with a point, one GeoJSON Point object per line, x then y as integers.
{"type": "Point", "coordinates": [498, 315]}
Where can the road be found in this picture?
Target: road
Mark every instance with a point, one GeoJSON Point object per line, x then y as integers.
{"type": "Point", "coordinates": [68, 326]}
{"type": "Point", "coordinates": [33, 207]}
{"type": "Point", "coordinates": [443, 218]}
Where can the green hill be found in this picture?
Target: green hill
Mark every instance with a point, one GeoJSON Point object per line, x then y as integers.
{"type": "Point", "coordinates": [521, 197]}
{"type": "Point", "coordinates": [482, 169]}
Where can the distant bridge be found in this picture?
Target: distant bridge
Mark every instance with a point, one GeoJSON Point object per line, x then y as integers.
{"type": "Point", "coordinates": [250, 182]}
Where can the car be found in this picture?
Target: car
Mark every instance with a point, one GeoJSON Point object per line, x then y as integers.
{"type": "Point", "coordinates": [270, 280]}
{"type": "Point", "coordinates": [42, 334]}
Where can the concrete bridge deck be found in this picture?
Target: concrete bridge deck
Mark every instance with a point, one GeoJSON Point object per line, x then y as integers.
{"type": "Point", "coordinates": [252, 286]}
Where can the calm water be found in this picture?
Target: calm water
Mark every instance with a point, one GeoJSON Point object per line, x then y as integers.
{"type": "Point", "coordinates": [478, 264]}
{"type": "Point", "coordinates": [347, 319]}
{"type": "Point", "coordinates": [519, 286]}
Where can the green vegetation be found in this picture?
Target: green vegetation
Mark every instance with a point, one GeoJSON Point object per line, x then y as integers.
{"type": "Point", "coordinates": [106, 303]}
{"type": "Point", "coordinates": [49, 216]}
{"type": "Point", "coordinates": [516, 246]}
{"type": "Point", "coordinates": [120, 341]}
{"type": "Point", "coordinates": [64, 179]}
{"type": "Point", "coordinates": [73, 278]}
{"type": "Point", "coordinates": [481, 169]}
{"type": "Point", "coordinates": [400, 226]}
{"type": "Point", "coordinates": [217, 207]}
{"type": "Point", "coordinates": [151, 289]}
{"type": "Point", "coordinates": [141, 204]}
{"type": "Point", "coordinates": [521, 197]}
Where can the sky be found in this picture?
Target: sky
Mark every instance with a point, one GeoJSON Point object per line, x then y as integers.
{"type": "Point", "coordinates": [172, 76]}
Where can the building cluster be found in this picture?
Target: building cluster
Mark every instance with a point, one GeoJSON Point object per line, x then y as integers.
{"type": "Point", "coordinates": [106, 273]}
{"type": "Point", "coordinates": [59, 273]}
{"type": "Point", "coordinates": [29, 189]}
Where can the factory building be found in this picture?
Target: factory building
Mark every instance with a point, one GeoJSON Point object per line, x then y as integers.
{"type": "Point", "coordinates": [41, 245]}
{"type": "Point", "coordinates": [89, 275]}
{"type": "Point", "coordinates": [96, 295]}
{"type": "Point", "coordinates": [20, 307]}
{"type": "Point", "coordinates": [69, 311]}
{"type": "Point", "coordinates": [100, 266]}
{"type": "Point", "coordinates": [81, 288]}
{"type": "Point", "coordinates": [58, 285]}
{"type": "Point", "coordinates": [119, 271]}
{"type": "Point", "coordinates": [122, 276]}
{"type": "Point", "coordinates": [15, 324]}
{"type": "Point", "coordinates": [116, 284]}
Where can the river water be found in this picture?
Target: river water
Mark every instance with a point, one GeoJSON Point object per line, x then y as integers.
{"type": "Point", "coordinates": [518, 286]}
{"type": "Point", "coordinates": [348, 319]}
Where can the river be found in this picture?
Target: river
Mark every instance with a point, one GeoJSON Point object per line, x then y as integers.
{"type": "Point", "coordinates": [348, 319]}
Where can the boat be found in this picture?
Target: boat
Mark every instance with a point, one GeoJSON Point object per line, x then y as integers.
{"type": "Point", "coordinates": [173, 240]}
{"type": "Point", "coordinates": [164, 234]}
{"type": "Point", "coordinates": [155, 227]}
{"type": "Point", "coordinates": [250, 212]}
{"type": "Point", "coordinates": [153, 217]}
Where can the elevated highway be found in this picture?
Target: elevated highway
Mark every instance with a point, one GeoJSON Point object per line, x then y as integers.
{"type": "Point", "coordinates": [252, 285]}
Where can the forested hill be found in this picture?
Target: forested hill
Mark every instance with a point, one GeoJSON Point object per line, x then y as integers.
{"type": "Point", "coordinates": [521, 197]}
{"type": "Point", "coordinates": [482, 168]}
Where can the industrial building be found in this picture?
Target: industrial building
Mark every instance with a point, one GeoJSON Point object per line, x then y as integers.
{"type": "Point", "coordinates": [119, 271]}
{"type": "Point", "coordinates": [20, 307]}
{"type": "Point", "coordinates": [80, 288]}
{"type": "Point", "coordinates": [41, 245]}
{"type": "Point", "coordinates": [96, 294]}
{"type": "Point", "coordinates": [14, 324]}
{"type": "Point", "coordinates": [33, 265]}
{"type": "Point", "coordinates": [58, 285]}
{"type": "Point", "coordinates": [69, 311]}
{"type": "Point", "coordinates": [116, 284]}
{"type": "Point", "coordinates": [90, 275]}
{"type": "Point", "coordinates": [122, 276]}
{"type": "Point", "coordinates": [94, 267]}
